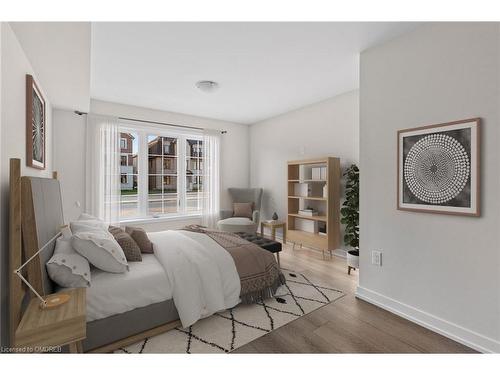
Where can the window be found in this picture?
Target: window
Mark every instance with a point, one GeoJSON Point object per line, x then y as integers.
{"type": "Point", "coordinates": [194, 176]}
{"type": "Point", "coordinates": [161, 174]}
{"type": "Point", "coordinates": [129, 200]}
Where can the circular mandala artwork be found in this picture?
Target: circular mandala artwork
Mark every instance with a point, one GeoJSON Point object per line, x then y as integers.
{"type": "Point", "coordinates": [437, 168]}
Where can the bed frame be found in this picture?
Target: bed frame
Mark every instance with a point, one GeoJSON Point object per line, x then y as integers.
{"type": "Point", "coordinates": [35, 215]}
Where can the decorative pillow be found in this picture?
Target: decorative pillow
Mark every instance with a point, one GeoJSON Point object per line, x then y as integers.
{"type": "Point", "coordinates": [67, 268]}
{"type": "Point", "coordinates": [128, 245]}
{"type": "Point", "coordinates": [242, 210]}
{"type": "Point", "coordinates": [141, 239]}
{"type": "Point", "coordinates": [101, 250]}
{"type": "Point", "coordinates": [87, 222]}
{"type": "Point", "coordinates": [84, 216]}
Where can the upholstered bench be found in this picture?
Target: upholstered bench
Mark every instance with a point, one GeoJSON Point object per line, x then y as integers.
{"type": "Point", "coordinates": [267, 244]}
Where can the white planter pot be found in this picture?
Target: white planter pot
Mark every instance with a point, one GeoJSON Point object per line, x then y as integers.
{"type": "Point", "coordinates": [352, 260]}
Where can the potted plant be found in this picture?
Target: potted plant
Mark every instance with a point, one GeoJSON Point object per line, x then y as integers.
{"type": "Point", "coordinates": [350, 216]}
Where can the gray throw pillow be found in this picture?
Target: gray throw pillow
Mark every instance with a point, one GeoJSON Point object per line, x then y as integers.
{"type": "Point", "coordinates": [129, 246]}
{"type": "Point", "coordinates": [141, 239]}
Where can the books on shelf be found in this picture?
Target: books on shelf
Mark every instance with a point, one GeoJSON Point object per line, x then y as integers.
{"type": "Point", "coordinates": [315, 172]}
{"type": "Point", "coordinates": [308, 212]}
{"type": "Point", "coordinates": [322, 229]}
{"type": "Point", "coordinates": [318, 173]}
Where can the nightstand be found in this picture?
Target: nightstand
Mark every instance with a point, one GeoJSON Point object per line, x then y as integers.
{"type": "Point", "coordinates": [273, 224]}
{"type": "Point", "coordinates": [64, 325]}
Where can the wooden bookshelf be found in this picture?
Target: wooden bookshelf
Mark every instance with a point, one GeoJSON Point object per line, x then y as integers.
{"type": "Point", "coordinates": [308, 198]}
{"type": "Point", "coordinates": [314, 218]}
{"type": "Point", "coordinates": [302, 229]}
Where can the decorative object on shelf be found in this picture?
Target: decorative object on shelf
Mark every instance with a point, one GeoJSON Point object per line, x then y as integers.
{"type": "Point", "coordinates": [273, 206]}
{"type": "Point", "coordinates": [307, 189]}
{"type": "Point", "coordinates": [35, 125]}
{"type": "Point", "coordinates": [350, 216]}
{"type": "Point", "coordinates": [438, 168]}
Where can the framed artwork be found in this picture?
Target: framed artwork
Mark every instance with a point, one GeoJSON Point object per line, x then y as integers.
{"type": "Point", "coordinates": [438, 168]}
{"type": "Point", "coordinates": [35, 125]}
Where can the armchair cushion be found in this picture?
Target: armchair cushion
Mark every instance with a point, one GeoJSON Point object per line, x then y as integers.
{"type": "Point", "coordinates": [242, 210]}
{"type": "Point", "coordinates": [237, 224]}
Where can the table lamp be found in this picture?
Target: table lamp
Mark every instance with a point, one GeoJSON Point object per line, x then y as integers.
{"type": "Point", "coordinates": [54, 300]}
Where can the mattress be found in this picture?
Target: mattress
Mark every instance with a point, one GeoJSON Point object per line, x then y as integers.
{"type": "Point", "coordinates": [115, 293]}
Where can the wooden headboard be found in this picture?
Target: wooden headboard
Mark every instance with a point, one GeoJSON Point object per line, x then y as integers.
{"type": "Point", "coordinates": [35, 216]}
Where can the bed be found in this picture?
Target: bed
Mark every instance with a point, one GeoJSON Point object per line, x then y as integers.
{"type": "Point", "coordinates": [196, 272]}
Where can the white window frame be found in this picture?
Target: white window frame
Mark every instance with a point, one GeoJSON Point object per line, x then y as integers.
{"type": "Point", "coordinates": [123, 143]}
{"type": "Point", "coordinates": [142, 132]}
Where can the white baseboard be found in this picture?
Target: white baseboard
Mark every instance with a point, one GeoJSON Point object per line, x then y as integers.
{"type": "Point", "coordinates": [341, 253]}
{"type": "Point", "coordinates": [443, 327]}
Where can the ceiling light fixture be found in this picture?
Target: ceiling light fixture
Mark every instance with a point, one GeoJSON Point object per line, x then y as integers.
{"type": "Point", "coordinates": [207, 86]}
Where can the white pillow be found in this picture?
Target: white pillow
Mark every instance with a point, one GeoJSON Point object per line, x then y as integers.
{"type": "Point", "coordinates": [84, 216]}
{"type": "Point", "coordinates": [101, 249]}
{"type": "Point", "coordinates": [87, 222]}
{"type": "Point", "coordinates": [67, 268]}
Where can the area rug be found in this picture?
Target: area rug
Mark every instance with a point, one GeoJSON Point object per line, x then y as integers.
{"type": "Point", "coordinates": [227, 330]}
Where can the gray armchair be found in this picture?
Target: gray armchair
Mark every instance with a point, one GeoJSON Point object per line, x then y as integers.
{"type": "Point", "coordinates": [229, 223]}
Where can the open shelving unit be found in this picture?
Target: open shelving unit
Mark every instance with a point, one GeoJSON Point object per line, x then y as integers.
{"type": "Point", "coordinates": [321, 231]}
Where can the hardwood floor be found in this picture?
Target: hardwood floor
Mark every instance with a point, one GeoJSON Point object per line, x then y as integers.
{"type": "Point", "coordinates": [349, 325]}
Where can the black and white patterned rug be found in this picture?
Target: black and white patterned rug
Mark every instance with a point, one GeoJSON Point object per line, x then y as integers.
{"type": "Point", "coordinates": [228, 330]}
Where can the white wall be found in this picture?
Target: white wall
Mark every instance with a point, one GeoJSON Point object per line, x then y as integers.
{"type": "Point", "coordinates": [69, 160]}
{"type": "Point", "coordinates": [14, 67]}
{"type": "Point", "coordinates": [60, 54]}
{"type": "Point", "coordinates": [327, 128]}
{"type": "Point", "coordinates": [3, 313]}
{"type": "Point", "coordinates": [439, 270]}
{"type": "Point", "coordinates": [71, 128]}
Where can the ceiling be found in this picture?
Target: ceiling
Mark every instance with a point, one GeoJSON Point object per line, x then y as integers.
{"type": "Point", "coordinates": [263, 69]}
{"type": "Point", "coordinates": [59, 52]}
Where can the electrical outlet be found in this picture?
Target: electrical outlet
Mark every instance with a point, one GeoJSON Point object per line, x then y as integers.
{"type": "Point", "coordinates": [377, 258]}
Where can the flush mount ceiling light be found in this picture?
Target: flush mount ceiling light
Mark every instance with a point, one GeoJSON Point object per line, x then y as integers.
{"type": "Point", "coordinates": [207, 86]}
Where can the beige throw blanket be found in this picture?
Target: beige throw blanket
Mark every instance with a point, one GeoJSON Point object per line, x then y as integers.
{"type": "Point", "coordinates": [259, 273]}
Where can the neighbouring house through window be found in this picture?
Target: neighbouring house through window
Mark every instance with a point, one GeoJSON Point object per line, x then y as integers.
{"type": "Point", "coordinates": [161, 173]}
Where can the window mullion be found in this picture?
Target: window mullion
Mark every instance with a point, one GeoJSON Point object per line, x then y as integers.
{"type": "Point", "coordinates": [181, 175]}
{"type": "Point", "coordinates": [143, 173]}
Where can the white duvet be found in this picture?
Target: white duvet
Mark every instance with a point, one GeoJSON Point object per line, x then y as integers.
{"type": "Point", "coordinates": [202, 274]}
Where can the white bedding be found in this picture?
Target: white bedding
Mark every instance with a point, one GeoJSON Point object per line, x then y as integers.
{"type": "Point", "coordinates": [202, 274]}
{"type": "Point", "coordinates": [114, 293]}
